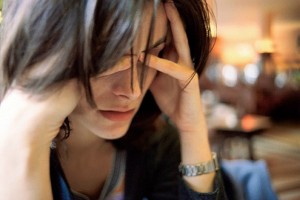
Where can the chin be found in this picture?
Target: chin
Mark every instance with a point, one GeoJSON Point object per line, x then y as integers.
{"type": "Point", "coordinates": [114, 133]}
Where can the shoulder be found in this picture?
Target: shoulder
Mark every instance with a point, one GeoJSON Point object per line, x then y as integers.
{"type": "Point", "coordinates": [143, 136]}
{"type": "Point", "coordinates": [153, 168]}
{"type": "Point", "coordinates": [165, 137]}
{"type": "Point", "coordinates": [164, 148]}
{"type": "Point", "coordinates": [158, 149]}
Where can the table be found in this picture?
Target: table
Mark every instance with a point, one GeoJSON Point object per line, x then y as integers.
{"type": "Point", "coordinates": [247, 127]}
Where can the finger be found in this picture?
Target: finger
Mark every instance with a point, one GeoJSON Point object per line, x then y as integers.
{"type": "Point", "coordinates": [179, 35]}
{"type": "Point", "coordinates": [174, 70]}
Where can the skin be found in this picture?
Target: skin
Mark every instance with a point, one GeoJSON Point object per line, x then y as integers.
{"type": "Point", "coordinates": [112, 90]}
{"type": "Point", "coordinates": [167, 79]}
{"type": "Point", "coordinates": [91, 127]}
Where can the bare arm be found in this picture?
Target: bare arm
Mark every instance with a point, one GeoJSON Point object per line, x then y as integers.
{"type": "Point", "coordinates": [178, 96]}
{"type": "Point", "coordinates": [27, 126]}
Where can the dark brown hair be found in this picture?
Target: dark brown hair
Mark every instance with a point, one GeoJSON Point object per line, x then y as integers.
{"type": "Point", "coordinates": [195, 15]}
{"type": "Point", "coordinates": [64, 39]}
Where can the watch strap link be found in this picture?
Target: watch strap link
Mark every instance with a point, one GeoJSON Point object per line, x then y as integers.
{"type": "Point", "coordinates": [200, 168]}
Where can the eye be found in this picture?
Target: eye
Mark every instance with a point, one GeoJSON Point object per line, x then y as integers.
{"type": "Point", "coordinates": [157, 51]}
{"type": "Point", "coordinates": [161, 53]}
{"type": "Point", "coordinates": [123, 64]}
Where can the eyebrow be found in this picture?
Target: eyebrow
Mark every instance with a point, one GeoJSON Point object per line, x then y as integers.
{"type": "Point", "coordinates": [156, 44]}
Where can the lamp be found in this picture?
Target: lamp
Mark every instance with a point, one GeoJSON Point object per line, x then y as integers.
{"type": "Point", "coordinates": [265, 46]}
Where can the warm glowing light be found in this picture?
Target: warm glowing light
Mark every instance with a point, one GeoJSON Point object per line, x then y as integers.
{"type": "Point", "coordinates": [248, 122]}
{"type": "Point", "coordinates": [238, 54]}
{"type": "Point", "coordinates": [213, 29]}
{"type": "Point", "coordinates": [264, 46]}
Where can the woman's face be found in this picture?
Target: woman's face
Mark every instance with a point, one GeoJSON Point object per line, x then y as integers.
{"type": "Point", "coordinates": [117, 92]}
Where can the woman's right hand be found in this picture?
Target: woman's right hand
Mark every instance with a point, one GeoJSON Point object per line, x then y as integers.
{"type": "Point", "coordinates": [28, 124]}
{"type": "Point", "coordinates": [36, 118]}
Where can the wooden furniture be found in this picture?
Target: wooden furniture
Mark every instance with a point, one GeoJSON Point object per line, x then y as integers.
{"type": "Point", "coordinates": [248, 126]}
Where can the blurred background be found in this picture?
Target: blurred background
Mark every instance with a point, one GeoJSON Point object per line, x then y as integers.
{"type": "Point", "coordinates": [251, 87]}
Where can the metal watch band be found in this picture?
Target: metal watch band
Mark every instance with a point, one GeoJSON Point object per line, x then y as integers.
{"type": "Point", "coordinates": [200, 168]}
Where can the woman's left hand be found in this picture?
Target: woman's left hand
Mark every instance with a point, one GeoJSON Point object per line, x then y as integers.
{"type": "Point", "coordinates": [176, 88]}
{"type": "Point", "coordinates": [177, 93]}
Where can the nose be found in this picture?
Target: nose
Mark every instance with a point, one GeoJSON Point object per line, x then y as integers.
{"type": "Point", "coordinates": [128, 86]}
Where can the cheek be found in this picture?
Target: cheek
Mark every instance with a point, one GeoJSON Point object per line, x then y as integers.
{"type": "Point", "coordinates": [101, 87]}
{"type": "Point", "coordinates": [83, 106]}
{"type": "Point", "coordinates": [97, 89]}
{"type": "Point", "coordinates": [150, 76]}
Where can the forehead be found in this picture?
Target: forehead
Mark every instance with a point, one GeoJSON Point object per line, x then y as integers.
{"type": "Point", "coordinates": [160, 26]}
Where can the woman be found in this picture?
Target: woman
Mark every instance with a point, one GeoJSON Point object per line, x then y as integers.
{"type": "Point", "coordinates": [74, 75]}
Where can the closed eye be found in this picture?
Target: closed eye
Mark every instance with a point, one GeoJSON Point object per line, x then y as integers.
{"type": "Point", "coordinates": [156, 50]}
{"type": "Point", "coordinates": [123, 64]}
{"type": "Point", "coordinates": [125, 61]}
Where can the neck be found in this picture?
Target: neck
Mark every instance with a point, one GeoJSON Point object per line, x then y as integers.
{"type": "Point", "coordinates": [81, 156]}
{"type": "Point", "coordinates": [82, 145]}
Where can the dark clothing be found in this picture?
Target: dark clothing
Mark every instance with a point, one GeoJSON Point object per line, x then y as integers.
{"type": "Point", "coordinates": [151, 173]}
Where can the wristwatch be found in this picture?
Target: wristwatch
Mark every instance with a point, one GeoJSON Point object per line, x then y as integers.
{"type": "Point", "coordinates": [200, 168]}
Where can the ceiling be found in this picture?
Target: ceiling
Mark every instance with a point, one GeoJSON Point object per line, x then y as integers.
{"type": "Point", "coordinates": [234, 15]}
{"type": "Point", "coordinates": [243, 21]}
{"type": "Point", "coordinates": [246, 21]}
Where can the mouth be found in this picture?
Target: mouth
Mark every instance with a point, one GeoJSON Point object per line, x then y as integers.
{"type": "Point", "coordinates": [117, 115]}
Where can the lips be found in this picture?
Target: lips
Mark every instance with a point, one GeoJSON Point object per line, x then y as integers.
{"type": "Point", "coordinates": [117, 115]}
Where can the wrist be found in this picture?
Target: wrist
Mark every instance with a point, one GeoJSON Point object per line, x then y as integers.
{"type": "Point", "coordinates": [24, 134]}
{"type": "Point", "coordinates": [197, 169]}
{"type": "Point", "coordinates": [24, 172]}
{"type": "Point", "coordinates": [195, 147]}
{"type": "Point", "coordinates": [195, 127]}
{"type": "Point", "coordinates": [194, 139]}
